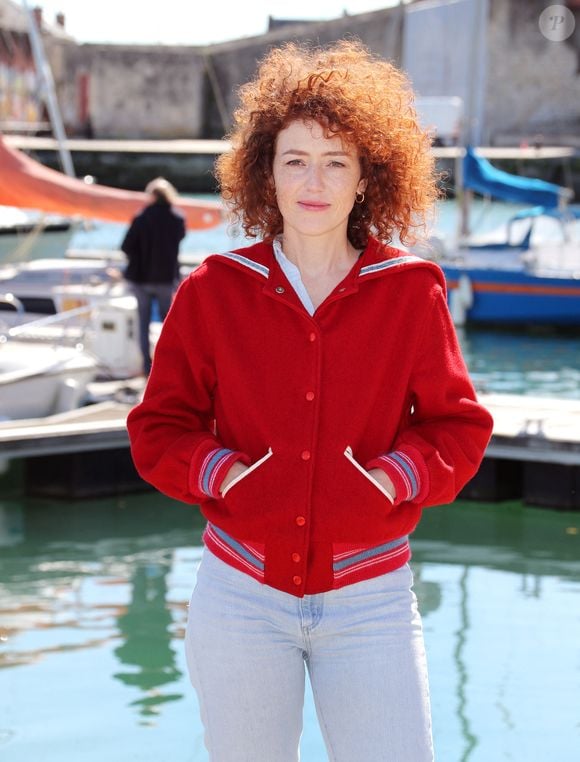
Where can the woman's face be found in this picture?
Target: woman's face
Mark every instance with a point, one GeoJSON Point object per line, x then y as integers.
{"type": "Point", "coordinates": [316, 179]}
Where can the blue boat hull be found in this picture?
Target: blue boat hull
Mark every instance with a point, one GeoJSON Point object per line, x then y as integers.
{"type": "Point", "coordinates": [518, 298]}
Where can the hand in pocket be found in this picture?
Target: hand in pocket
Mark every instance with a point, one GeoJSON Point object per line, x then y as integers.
{"type": "Point", "coordinates": [386, 483]}
{"type": "Point", "coordinates": [233, 477]}
{"type": "Point", "coordinates": [237, 469]}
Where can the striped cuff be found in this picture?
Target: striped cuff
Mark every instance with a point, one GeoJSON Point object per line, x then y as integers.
{"type": "Point", "coordinates": [214, 468]}
{"type": "Point", "coordinates": [402, 471]}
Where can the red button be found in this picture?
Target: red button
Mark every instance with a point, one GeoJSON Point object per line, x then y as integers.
{"type": "Point", "coordinates": [297, 580]}
{"type": "Point", "coordinates": [305, 455]}
{"type": "Point", "coordinates": [296, 557]}
{"type": "Point", "coordinates": [309, 396]}
{"type": "Point", "coordinates": [300, 520]}
{"type": "Point", "coordinates": [312, 336]}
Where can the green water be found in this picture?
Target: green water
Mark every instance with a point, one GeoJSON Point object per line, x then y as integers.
{"type": "Point", "coordinates": [93, 599]}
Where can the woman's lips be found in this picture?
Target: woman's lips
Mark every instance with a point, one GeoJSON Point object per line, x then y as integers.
{"type": "Point", "coordinates": [314, 206]}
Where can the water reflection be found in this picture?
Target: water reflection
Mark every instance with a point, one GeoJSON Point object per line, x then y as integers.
{"type": "Point", "coordinates": [540, 364]}
{"type": "Point", "coordinates": [462, 671]}
{"type": "Point", "coordinates": [80, 576]}
{"type": "Point", "coordinates": [503, 639]}
{"type": "Point", "coordinates": [11, 523]}
{"type": "Point", "coordinates": [497, 586]}
{"type": "Point", "coordinates": [145, 629]}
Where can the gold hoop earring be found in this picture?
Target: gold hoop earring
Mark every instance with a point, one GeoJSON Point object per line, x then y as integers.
{"type": "Point", "coordinates": [359, 197]}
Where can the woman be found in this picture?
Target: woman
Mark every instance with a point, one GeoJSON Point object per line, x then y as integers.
{"type": "Point", "coordinates": [309, 393]}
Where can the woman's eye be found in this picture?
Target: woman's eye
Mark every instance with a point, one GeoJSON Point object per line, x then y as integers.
{"type": "Point", "coordinates": [294, 162]}
{"type": "Point", "coordinates": [337, 163]}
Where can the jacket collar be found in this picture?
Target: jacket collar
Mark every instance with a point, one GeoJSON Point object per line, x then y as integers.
{"type": "Point", "coordinates": [256, 259]}
{"type": "Point", "coordinates": [377, 260]}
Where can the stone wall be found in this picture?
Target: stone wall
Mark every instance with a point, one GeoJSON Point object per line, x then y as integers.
{"type": "Point", "coordinates": [235, 62]}
{"type": "Point", "coordinates": [186, 92]}
{"type": "Point", "coordinates": [133, 91]}
{"type": "Point", "coordinates": [530, 85]}
{"type": "Point", "coordinates": [533, 84]}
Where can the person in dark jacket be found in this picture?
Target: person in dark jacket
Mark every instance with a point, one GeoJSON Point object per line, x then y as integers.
{"type": "Point", "coordinates": [152, 248]}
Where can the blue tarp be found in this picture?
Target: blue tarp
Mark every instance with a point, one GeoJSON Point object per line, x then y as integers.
{"type": "Point", "coordinates": [481, 176]}
{"type": "Point", "coordinates": [570, 212]}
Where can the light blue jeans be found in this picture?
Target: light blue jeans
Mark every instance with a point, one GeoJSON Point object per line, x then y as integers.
{"type": "Point", "coordinates": [247, 645]}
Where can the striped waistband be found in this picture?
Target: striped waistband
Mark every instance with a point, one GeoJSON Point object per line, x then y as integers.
{"type": "Point", "coordinates": [246, 556]}
{"type": "Point", "coordinates": [350, 563]}
{"type": "Point", "coordinates": [354, 564]}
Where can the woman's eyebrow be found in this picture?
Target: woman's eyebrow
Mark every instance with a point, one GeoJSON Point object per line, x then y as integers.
{"type": "Point", "coordinates": [305, 153]}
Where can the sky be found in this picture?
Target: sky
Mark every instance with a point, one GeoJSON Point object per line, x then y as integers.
{"type": "Point", "coordinates": [188, 22]}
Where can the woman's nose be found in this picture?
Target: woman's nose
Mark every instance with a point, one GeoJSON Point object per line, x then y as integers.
{"type": "Point", "coordinates": [314, 178]}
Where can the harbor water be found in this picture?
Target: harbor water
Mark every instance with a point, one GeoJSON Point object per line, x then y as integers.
{"type": "Point", "coordinates": [93, 601]}
{"type": "Point", "coordinates": [94, 594]}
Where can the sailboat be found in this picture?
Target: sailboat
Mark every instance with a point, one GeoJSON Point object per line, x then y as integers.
{"type": "Point", "coordinates": [528, 272]}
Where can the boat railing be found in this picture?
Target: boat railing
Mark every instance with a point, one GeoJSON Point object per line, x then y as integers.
{"type": "Point", "coordinates": [14, 303]}
{"type": "Point", "coordinates": [106, 330]}
{"type": "Point", "coordinates": [61, 328]}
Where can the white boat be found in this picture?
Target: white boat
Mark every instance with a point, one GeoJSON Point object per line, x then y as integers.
{"type": "Point", "coordinates": [47, 360]}
{"type": "Point", "coordinates": [54, 285]}
{"type": "Point", "coordinates": [39, 379]}
{"type": "Point", "coordinates": [70, 301]}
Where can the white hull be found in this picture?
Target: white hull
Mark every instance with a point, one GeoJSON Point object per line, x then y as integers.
{"type": "Point", "coordinates": [80, 301]}
{"type": "Point", "coordinates": [38, 380]}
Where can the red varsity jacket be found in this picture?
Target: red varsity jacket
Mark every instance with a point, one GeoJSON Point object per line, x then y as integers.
{"type": "Point", "coordinates": [375, 378]}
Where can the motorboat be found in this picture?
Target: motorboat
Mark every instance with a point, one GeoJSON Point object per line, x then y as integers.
{"type": "Point", "coordinates": [75, 301]}
{"type": "Point", "coordinates": [48, 360]}
{"type": "Point", "coordinates": [48, 364]}
{"type": "Point", "coordinates": [39, 379]}
{"type": "Point", "coordinates": [54, 286]}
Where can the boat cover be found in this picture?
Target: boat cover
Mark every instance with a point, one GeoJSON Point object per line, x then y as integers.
{"type": "Point", "coordinates": [569, 213]}
{"type": "Point", "coordinates": [481, 176]}
{"type": "Point", "coordinates": [27, 184]}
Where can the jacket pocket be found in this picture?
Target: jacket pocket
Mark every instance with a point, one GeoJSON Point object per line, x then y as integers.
{"type": "Point", "coordinates": [350, 457]}
{"type": "Point", "coordinates": [245, 474]}
{"type": "Point", "coordinates": [252, 501]}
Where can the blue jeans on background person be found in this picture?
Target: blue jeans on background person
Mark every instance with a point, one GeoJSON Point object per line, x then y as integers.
{"type": "Point", "coordinates": [247, 647]}
{"type": "Point", "coordinates": [146, 294]}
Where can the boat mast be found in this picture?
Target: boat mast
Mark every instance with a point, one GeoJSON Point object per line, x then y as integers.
{"type": "Point", "coordinates": [473, 123]}
{"type": "Point", "coordinates": [463, 197]}
{"type": "Point", "coordinates": [47, 90]}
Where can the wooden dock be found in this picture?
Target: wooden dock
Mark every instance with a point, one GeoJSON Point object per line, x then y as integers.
{"type": "Point", "coordinates": [95, 427]}
{"type": "Point", "coordinates": [534, 454]}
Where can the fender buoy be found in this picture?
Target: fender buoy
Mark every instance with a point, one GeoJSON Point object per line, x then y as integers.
{"type": "Point", "coordinates": [461, 300]}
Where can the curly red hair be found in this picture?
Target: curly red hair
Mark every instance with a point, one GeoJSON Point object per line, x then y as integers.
{"type": "Point", "coordinates": [364, 99]}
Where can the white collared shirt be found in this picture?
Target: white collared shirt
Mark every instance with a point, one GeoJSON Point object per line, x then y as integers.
{"type": "Point", "coordinates": [293, 274]}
